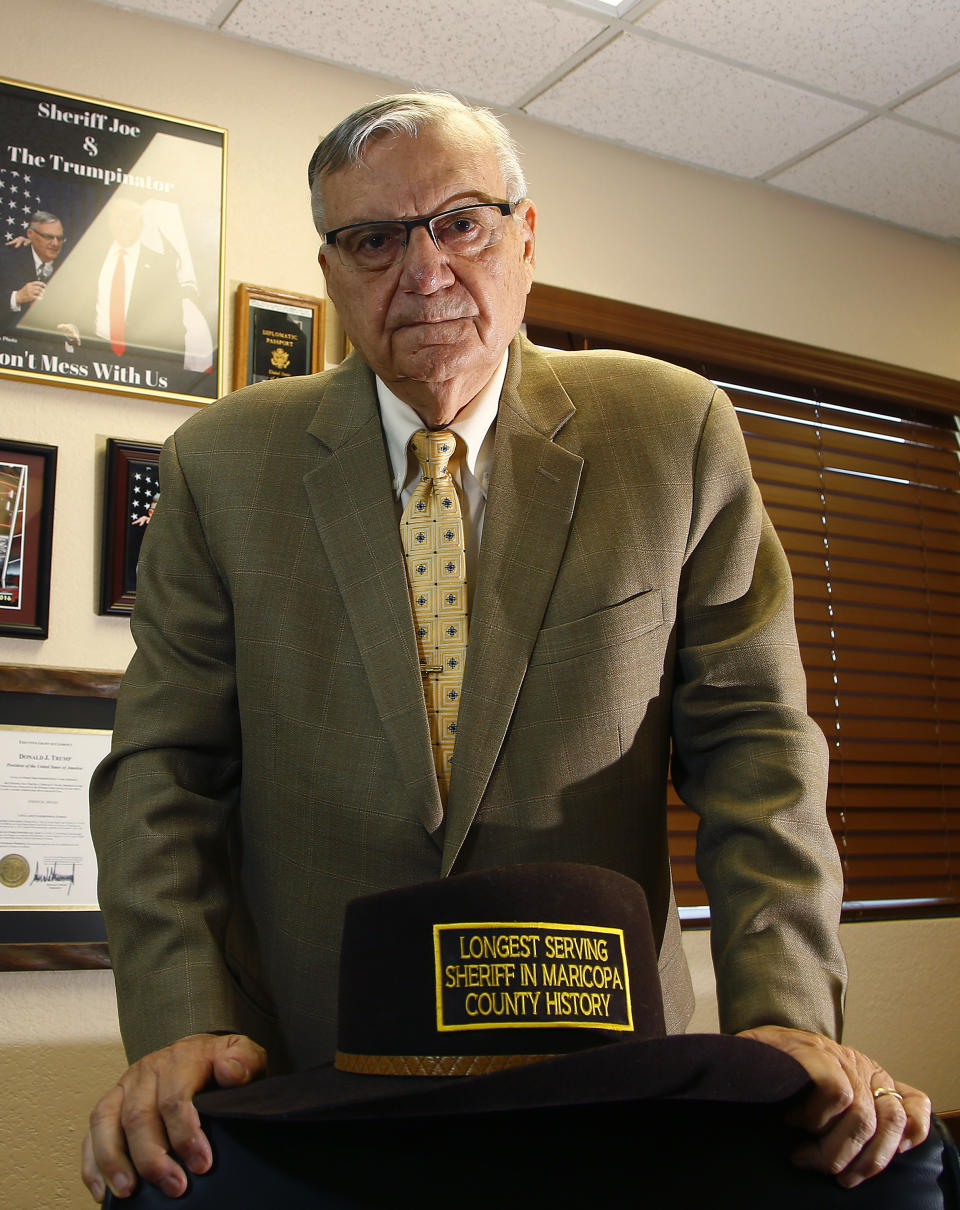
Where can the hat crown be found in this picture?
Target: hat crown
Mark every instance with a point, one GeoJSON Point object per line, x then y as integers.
{"type": "Point", "coordinates": [496, 967]}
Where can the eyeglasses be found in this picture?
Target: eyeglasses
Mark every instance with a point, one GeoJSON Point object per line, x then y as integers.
{"type": "Point", "coordinates": [51, 239]}
{"type": "Point", "coordinates": [463, 231]}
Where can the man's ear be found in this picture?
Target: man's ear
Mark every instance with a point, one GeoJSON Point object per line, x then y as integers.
{"type": "Point", "coordinates": [323, 262]}
{"type": "Point", "coordinates": [527, 213]}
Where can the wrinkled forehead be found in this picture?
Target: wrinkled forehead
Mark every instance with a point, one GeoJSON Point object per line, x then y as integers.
{"type": "Point", "coordinates": [401, 175]}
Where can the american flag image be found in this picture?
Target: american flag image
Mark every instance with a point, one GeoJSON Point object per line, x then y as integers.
{"type": "Point", "coordinates": [143, 488]}
{"type": "Point", "coordinates": [143, 485]}
{"type": "Point", "coordinates": [18, 200]}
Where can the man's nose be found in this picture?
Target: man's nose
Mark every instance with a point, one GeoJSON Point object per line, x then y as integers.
{"type": "Point", "coordinates": [426, 267]}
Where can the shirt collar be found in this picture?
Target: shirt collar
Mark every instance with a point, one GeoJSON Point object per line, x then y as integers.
{"type": "Point", "coordinates": [472, 425]}
{"type": "Point", "coordinates": [131, 252]}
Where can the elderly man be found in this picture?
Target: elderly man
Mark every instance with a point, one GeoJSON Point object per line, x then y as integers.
{"type": "Point", "coordinates": [26, 267]}
{"type": "Point", "coordinates": [307, 718]}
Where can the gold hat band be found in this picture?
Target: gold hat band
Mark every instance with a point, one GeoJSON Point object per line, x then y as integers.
{"type": "Point", "coordinates": [430, 1065]}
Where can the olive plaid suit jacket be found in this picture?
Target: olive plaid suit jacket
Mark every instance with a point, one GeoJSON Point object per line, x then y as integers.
{"type": "Point", "coordinates": [271, 755]}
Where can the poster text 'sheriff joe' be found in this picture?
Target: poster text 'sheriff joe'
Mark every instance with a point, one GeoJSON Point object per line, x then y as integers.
{"type": "Point", "coordinates": [112, 249]}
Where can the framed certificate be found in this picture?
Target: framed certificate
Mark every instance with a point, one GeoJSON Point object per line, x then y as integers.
{"type": "Point", "coordinates": [278, 335]}
{"type": "Point", "coordinates": [55, 726]}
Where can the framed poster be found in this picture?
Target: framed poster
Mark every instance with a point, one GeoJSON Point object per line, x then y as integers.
{"type": "Point", "coordinates": [111, 261]}
{"type": "Point", "coordinates": [28, 476]}
{"type": "Point", "coordinates": [131, 493]}
{"type": "Point", "coordinates": [278, 335]}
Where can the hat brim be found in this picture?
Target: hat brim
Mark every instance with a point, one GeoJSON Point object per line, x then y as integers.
{"type": "Point", "coordinates": [687, 1067]}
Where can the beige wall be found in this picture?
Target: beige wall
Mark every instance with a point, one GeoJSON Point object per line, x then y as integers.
{"type": "Point", "coordinates": [612, 223]}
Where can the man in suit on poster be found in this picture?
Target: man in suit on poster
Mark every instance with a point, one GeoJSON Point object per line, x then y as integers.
{"type": "Point", "coordinates": [26, 267]}
{"type": "Point", "coordinates": [273, 756]}
{"type": "Point", "coordinates": [137, 306]}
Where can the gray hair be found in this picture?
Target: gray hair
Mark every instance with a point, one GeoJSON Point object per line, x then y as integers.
{"type": "Point", "coordinates": [408, 114]}
{"type": "Point", "coordinates": [42, 216]}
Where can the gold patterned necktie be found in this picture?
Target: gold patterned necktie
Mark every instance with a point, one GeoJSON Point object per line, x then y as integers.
{"type": "Point", "coordinates": [431, 530]}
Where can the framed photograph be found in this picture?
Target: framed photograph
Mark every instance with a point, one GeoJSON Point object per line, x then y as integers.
{"type": "Point", "coordinates": [111, 260]}
{"type": "Point", "coordinates": [277, 335]}
{"type": "Point", "coordinates": [28, 475]}
{"type": "Point", "coordinates": [131, 495]}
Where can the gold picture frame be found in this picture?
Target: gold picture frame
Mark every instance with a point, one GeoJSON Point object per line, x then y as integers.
{"type": "Point", "coordinates": [111, 262]}
{"type": "Point", "coordinates": [277, 334]}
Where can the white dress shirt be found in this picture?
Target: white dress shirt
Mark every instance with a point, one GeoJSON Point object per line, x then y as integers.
{"type": "Point", "coordinates": [475, 426]}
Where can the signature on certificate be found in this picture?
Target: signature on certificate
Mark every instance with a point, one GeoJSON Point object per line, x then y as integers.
{"type": "Point", "coordinates": [56, 872]}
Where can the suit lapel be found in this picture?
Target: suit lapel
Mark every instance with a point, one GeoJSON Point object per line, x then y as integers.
{"type": "Point", "coordinates": [351, 495]}
{"type": "Point", "coordinates": [533, 490]}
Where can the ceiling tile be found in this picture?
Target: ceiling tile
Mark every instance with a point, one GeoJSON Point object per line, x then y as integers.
{"type": "Point", "coordinates": [938, 106]}
{"type": "Point", "coordinates": [679, 104]}
{"type": "Point", "coordinates": [643, 91]}
{"type": "Point", "coordinates": [198, 12]}
{"type": "Point", "coordinates": [491, 50]}
{"type": "Point", "coordinates": [872, 50]}
{"type": "Point", "coordinates": [889, 170]}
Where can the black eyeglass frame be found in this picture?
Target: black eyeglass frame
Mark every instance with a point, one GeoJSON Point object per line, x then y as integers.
{"type": "Point", "coordinates": [330, 237]}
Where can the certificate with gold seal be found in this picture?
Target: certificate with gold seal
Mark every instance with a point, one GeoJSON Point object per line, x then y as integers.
{"type": "Point", "coordinates": [46, 851]}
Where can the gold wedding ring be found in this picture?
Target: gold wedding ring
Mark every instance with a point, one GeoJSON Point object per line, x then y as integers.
{"type": "Point", "coordinates": [886, 1092]}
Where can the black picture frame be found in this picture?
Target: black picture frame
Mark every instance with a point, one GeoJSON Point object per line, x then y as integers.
{"type": "Point", "coordinates": [80, 699]}
{"type": "Point", "coordinates": [131, 489]}
{"type": "Point", "coordinates": [133, 303]}
{"type": "Point", "coordinates": [28, 475]}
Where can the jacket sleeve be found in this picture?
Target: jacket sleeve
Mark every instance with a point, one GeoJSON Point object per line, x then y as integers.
{"type": "Point", "coordinates": [163, 803]}
{"type": "Point", "coordinates": [749, 760]}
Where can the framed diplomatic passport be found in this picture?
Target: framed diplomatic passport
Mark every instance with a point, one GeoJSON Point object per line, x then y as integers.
{"type": "Point", "coordinates": [277, 335]}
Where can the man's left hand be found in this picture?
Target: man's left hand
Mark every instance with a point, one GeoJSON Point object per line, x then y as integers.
{"type": "Point", "coordinates": [857, 1132]}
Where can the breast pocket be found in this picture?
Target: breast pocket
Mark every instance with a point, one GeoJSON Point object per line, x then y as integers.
{"type": "Point", "coordinates": [606, 628]}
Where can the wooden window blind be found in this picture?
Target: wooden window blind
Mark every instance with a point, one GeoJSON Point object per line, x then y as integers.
{"type": "Point", "coordinates": [864, 491]}
{"type": "Point", "coordinates": [867, 505]}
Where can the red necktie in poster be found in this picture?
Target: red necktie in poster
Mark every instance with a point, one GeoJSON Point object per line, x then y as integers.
{"type": "Point", "coordinates": [118, 306]}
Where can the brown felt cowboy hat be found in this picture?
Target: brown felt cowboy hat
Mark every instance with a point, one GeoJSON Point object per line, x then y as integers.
{"type": "Point", "coordinates": [526, 987]}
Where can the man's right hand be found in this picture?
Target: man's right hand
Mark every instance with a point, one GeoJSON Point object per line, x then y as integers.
{"type": "Point", "coordinates": [150, 1113]}
{"type": "Point", "coordinates": [30, 293]}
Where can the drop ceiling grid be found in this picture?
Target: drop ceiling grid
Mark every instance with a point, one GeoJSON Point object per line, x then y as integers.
{"type": "Point", "coordinates": [889, 171]}
{"type": "Point", "coordinates": [938, 106]}
{"type": "Point", "coordinates": [676, 103]}
{"type": "Point", "coordinates": [872, 50]}
{"type": "Point", "coordinates": [493, 50]}
{"type": "Point", "coordinates": [792, 92]}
